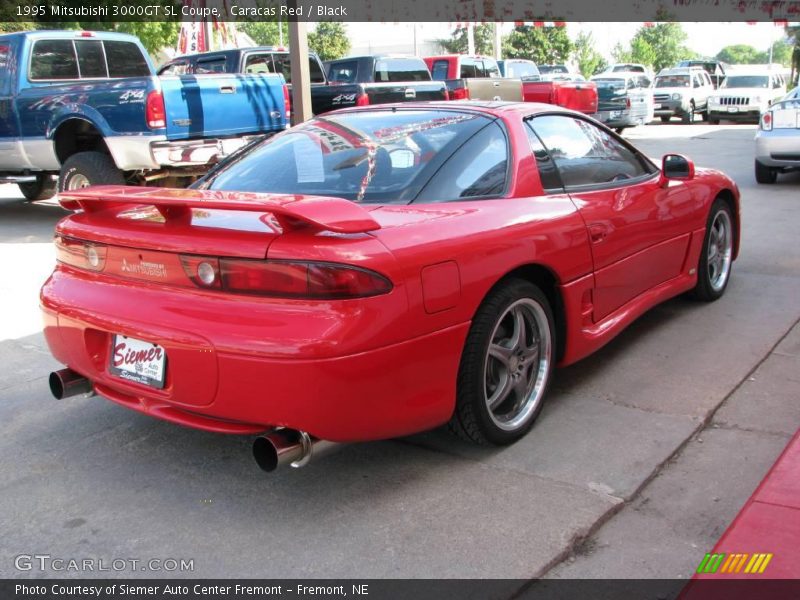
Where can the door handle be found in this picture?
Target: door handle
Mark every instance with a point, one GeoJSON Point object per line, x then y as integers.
{"type": "Point", "coordinates": [227, 89]}
{"type": "Point", "coordinates": [597, 233]}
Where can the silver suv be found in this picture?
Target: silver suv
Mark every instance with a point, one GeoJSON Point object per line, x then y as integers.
{"type": "Point", "coordinates": [682, 92]}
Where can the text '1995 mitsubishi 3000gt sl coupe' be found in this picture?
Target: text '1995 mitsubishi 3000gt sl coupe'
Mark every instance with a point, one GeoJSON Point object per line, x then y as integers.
{"type": "Point", "coordinates": [379, 271]}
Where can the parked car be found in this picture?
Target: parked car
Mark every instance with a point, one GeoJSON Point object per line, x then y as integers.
{"type": "Point", "coordinates": [88, 107]}
{"type": "Point", "coordinates": [623, 100]}
{"type": "Point", "coordinates": [380, 271]}
{"type": "Point", "coordinates": [355, 81]}
{"type": "Point", "coordinates": [745, 95]}
{"type": "Point", "coordinates": [519, 68]}
{"type": "Point", "coordinates": [682, 92]}
{"type": "Point", "coordinates": [580, 96]}
{"type": "Point", "coordinates": [379, 79]}
{"type": "Point", "coordinates": [778, 139]}
{"type": "Point", "coordinates": [575, 95]}
{"type": "Point", "coordinates": [717, 70]}
{"type": "Point", "coordinates": [473, 78]}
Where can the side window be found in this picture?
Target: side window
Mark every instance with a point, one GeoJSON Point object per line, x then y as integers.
{"type": "Point", "coordinates": [585, 154]}
{"type": "Point", "coordinates": [53, 59]}
{"type": "Point", "coordinates": [644, 82]}
{"type": "Point", "coordinates": [476, 170]}
{"type": "Point", "coordinates": [440, 69]}
{"type": "Point", "coordinates": [258, 63]}
{"type": "Point", "coordinates": [91, 60]}
{"type": "Point", "coordinates": [214, 65]}
{"type": "Point", "coordinates": [5, 53]}
{"type": "Point", "coordinates": [469, 68]}
{"type": "Point", "coordinates": [548, 174]}
{"type": "Point", "coordinates": [343, 72]}
{"type": "Point", "coordinates": [125, 60]}
{"type": "Point", "coordinates": [492, 70]}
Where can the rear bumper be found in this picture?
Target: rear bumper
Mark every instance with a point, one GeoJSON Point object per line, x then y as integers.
{"type": "Point", "coordinates": [248, 377]}
{"type": "Point", "coordinates": [135, 153]}
{"type": "Point", "coordinates": [779, 148]}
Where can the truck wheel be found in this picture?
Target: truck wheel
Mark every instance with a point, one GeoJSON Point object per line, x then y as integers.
{"type": "Point", "coordinates": [705, 115]}
{"type": "Point", "coordinates": [688, 117]}
{"type": "Point", "coordinates": [665, 118]}
{"type": "Point", "coordinates": [506, 365]}
{"type": "Point", "coordinates": [43, 188]}
{"type": "Point", "coordinates": [712, 121]}
{"type": "Point", "coordinates": [88, 168]}
{"type": "Point", "coordinates": [765, 174]}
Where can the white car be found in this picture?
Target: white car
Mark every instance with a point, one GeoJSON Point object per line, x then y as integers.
{"type": "Point", "coordinates": [744, 96]}
{"type": "Point", "coordinates": [682, 92]}
{"type": "Point", "coordinates": [778, 139]}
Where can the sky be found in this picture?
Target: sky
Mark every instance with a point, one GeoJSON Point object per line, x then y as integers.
{"type": "Point", "coordinates": [705, 38]}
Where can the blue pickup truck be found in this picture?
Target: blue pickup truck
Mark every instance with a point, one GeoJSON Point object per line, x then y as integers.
{"type": "Point", "coordinates": [88, 108]}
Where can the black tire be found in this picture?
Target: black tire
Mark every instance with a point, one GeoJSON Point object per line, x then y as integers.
{"type": "Point", "coordinates": [619, 130]}
{"type": "Point", "coordinates": [706, 289]}
{"type": "Point", "coordinates": [713, 121]}
{"type": "Point", "coordinates": [95, 168]}
{"type": "Point", "coordinates": [688, 118]}
{"type": "Point", "coordinates": [765, 174]}
{"type": "Point", "coordinates": [704, 114]}
{"type": "Point", "coordinates": [472, 419]}
{"type": "Point", "coordinates": [665, 118]}
{"type": "Point", "coordinates": [42, 189]}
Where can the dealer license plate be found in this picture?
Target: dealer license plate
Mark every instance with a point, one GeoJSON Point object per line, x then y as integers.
{"type": "Point", "coordinates": [656, 106]}
{"type": "Point", "coordinates": [139, 361]}
{"type": "Point", "coordinates": [733, 109]}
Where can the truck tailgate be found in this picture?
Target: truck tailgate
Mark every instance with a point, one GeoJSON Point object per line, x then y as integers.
{"type": "Point", "coordinates": [220, 105]}
{"type": "Point", "coordinates": [494, 89]}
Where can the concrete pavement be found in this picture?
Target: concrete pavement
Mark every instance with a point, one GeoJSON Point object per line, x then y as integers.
{"type": "Point", "coordinates": [613, 470]}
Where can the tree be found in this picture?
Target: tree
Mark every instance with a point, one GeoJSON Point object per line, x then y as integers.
{"type": "Point", "coordinates": [781, 53]}
{"type": "Point", "coordinates": [329, 40]}
{"type": "Point", "coordinates": [589, 60]}
{"type": "Point", "coordinates": [542, 45]}
{"type": "Point", "coordinates": [483, 34]}
{"type": "Point", "coordinates": [265, 33]}
{"type": "Point", "coordinates": [738, 54]}
{"type": "Point", "coordinates": [662, 44]}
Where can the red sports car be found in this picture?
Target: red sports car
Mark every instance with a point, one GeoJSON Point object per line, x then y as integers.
{"type": "Point", "coordinates": [379, 271]}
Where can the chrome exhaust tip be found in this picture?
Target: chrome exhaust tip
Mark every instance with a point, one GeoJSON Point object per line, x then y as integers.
{"type": "Point", "coordinates": [287, 446]}
{"type": "Point", "coordinates": [66, 383]}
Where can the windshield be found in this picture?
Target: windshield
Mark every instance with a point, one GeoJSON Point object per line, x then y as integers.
{"type": "Point", "coordinates": [746, 81]}
{"type": "Point", "coordinates": [380, 155]}
{"type": "Point", "coordinates": [672, 81]}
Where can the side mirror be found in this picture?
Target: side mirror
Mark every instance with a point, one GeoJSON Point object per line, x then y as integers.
{"type": "Point", "coordinates": [676, 166]}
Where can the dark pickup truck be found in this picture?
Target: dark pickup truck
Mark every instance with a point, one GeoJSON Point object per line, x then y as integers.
{"type": "Point", "coordinates": [362, 80]}
{"type": "Point", "coordinates": [354, 81]}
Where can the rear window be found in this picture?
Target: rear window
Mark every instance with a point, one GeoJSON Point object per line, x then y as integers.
{"type": "Point", "coordinates": [521, 70]}
{"type": "Point", "coordinates": [216, 65]}
{"type": "Point", "coordinates": [53, 59]}
{"type": "Point", "coordinates": [547, 69]}
{"type": "Point", "coordinates": [343, 72]}
{"type": "Point", "coordinates": [375, 156]}
{"type": "Point", "coordinates": [5, 51]}
{"type": "Point", "coordinates": [401, 69]}
{"type": "Point", "coordinates": [471, 67]}
{"type": "Point", "coordinates": [282, 65]}
{"type": "Point", "coordinates": [440, 69]}
{"type": "Point", "coordinates": [125, 60]}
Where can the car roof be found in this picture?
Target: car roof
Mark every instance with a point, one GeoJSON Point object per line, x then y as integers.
{"type": "Point", "coordinates": [489, 108]}
{"type": "Point", "coordinates": [71, 34]}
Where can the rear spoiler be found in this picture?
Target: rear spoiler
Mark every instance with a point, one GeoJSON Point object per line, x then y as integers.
{"type": "Point", "coordinates": [292, 211]}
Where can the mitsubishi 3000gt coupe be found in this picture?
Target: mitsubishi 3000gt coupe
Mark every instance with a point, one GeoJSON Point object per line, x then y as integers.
{"type": "Point", "coordinates": [379, 271]}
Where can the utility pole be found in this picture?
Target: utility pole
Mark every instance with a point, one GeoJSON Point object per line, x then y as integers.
{"type": "Point", "coordinates": [470, 38]}
{"type": "Point", "coordinates": [498, 51]}
{"type": "Point", "coordinates": [301, 74]}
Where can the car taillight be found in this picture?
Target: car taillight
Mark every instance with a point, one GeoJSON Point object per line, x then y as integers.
{"type": "Point", "coordinates": [362, 100]}
{"type": "Point", "coordinates": [460, 94]}
{"type": "Point", "coordinates": [287, 99]}
{"type": "Point", "coordinates": [155, 114]}
{"type": "Point", "coordinates": [80, 254]}
{"type": "Point", "coordinates": [627, 102]}
{"type": "Point", "coordinates": [766, 121]}
{"type": "Point", "coordinates": [285, 279]}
